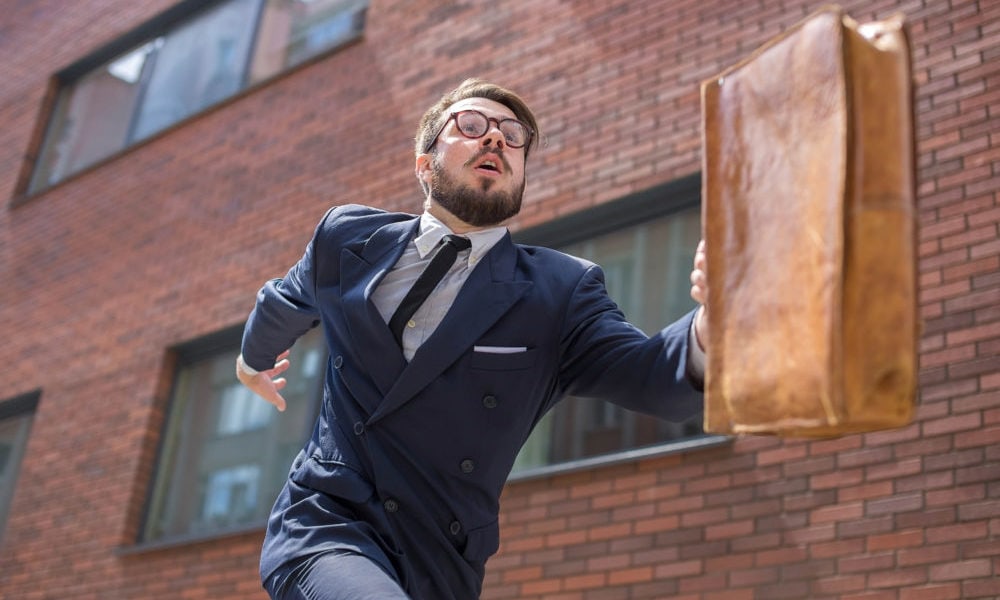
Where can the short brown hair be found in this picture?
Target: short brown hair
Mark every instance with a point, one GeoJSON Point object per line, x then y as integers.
{"type": "Point", "coordinates": [474, 88]}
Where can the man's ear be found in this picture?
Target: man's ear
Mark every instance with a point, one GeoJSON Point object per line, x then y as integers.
{"type": "Point", "coordinates": [423, 167]}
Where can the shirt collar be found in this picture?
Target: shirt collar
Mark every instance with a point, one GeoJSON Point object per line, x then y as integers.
{"type": "Point", "coordinates": [432, 230]}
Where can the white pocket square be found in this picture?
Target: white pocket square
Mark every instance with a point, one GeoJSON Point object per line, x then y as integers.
{"type": "Point", "coordinates": [500, 349]}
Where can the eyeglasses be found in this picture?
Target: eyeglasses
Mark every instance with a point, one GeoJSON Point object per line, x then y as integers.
{"type": "Point", "coordinates": [474, 124]}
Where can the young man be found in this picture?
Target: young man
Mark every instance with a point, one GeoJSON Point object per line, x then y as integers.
{"type": "Point", "coordinates": [428, 400]}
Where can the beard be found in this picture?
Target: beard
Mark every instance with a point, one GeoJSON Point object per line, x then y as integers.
{"type": "Point", "coordinates": [478, 206]}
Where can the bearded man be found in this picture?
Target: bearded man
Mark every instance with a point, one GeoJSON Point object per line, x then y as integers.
{"type": "Point", "coordinates": [447, 344]}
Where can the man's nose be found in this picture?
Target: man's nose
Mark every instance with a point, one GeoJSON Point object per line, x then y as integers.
{"type": "Point", "coordinates": [493, 136]}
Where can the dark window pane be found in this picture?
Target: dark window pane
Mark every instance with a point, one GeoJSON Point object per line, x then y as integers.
{"type": "Point", "coordinates": [292, 31]}
{"type": "Point", "coordinates": [226, 452]}
{"type": "Point", "coordinates": [91, 118]}
{"type": "Point", "coordinates": [197, 65]}
{"type": "Point", "coordinates": [13, 440]}
{"type": "Point", "coordinates": [647, 269]}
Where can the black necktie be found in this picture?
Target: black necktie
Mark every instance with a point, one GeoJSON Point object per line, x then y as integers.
{"type": "Point", "coordinates": [443, 259]}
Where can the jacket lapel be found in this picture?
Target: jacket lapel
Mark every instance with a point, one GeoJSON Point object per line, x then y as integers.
{"type": "Point", "coordinates": [360, 273]}
{"type": "Point", "coordinates": [488, 293]}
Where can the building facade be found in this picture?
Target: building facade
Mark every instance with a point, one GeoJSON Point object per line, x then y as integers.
{"type": "Point", "coordinates": [161, 159]}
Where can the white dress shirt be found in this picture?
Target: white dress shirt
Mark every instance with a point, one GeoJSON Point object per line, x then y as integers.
{"type": "Point", "coordinates": [398, 281]}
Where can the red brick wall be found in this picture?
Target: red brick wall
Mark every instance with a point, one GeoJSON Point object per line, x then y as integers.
{"type": "Point", "coordinates": [169, 241]}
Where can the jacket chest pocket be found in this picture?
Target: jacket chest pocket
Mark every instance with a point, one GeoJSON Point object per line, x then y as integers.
{"type": "Point", "coordinates": [503, 361]}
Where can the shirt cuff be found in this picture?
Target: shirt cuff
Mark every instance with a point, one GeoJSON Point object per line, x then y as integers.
{"type": "Point", "coordinates": [696, 356]}
{"type": "Point", "coordinates": [244, 368]}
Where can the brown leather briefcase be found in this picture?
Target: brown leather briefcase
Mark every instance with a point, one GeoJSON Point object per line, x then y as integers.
{"type": "Point", "coordinates": [808, 212]}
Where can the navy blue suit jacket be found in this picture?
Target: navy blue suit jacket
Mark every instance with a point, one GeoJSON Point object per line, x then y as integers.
{"type": "Point", "coordinates": [407, 460]}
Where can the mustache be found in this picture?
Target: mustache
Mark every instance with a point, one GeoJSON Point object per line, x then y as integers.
{"type": "Point", "coordinates": [487, 150]}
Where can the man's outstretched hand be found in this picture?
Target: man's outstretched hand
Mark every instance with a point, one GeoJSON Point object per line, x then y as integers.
{"type": "Point", "coordinates": [266, 384]}
{"type": "Point", "coordinates": [699, 292]}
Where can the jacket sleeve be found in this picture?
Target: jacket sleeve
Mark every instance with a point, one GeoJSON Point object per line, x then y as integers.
{"type": "Point", "coordinates": [286, 308]}
{"type": "Point", "coordinates": [605, 356]}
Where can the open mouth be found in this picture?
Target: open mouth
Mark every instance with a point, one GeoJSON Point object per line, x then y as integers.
{"type": "Point", "coordinates": [489, 165]}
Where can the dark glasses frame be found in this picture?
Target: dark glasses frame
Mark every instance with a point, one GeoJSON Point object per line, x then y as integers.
{"type": "Point", "coordinates": [529, 133]}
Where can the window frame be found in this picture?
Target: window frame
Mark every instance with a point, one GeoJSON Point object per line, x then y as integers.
{"type": "Point", "coordinates": [21, 406]}
{"type": "Point", "coordinates": [183, 356]}
{"type": "Point", "coordinates": [162, 24]}
{"type": "Point", "coordinates": [637, 208]}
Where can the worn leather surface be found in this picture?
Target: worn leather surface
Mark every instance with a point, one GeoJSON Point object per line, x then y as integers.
{"type": "Point", "coordinates": [808, 195]}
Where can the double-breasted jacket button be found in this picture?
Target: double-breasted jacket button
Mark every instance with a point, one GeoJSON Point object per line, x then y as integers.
{"type": "Point", "coordinates": [467, 466]}
{"type": "Point", "coordinates": [490, 401]}
{"type": "Point", "coordinates": [338, 362]}
{"type": "Point", "coordinates": [359, 428]}
{"type": "Point", "coordinates": [390, 505]}
{"type": "Point", "coordinates": [455, 528]}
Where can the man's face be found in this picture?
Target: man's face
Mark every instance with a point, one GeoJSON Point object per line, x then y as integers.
{"type": "Point", "coordinates": [481, 180]}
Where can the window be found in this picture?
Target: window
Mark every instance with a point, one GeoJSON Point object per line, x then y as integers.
{"type": "Point", "coordinates": [645, 245]}
{"type": "Point", "coordinates": [181, 63]}
{"type": "Point", "coordinates": [226, 452]}
{"type": "Point", "coordinates": [195, 66]}
{"type": "Point", "coordinates": [16, 416]}
{"type": "Point", "coordinates": [293, 31]}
